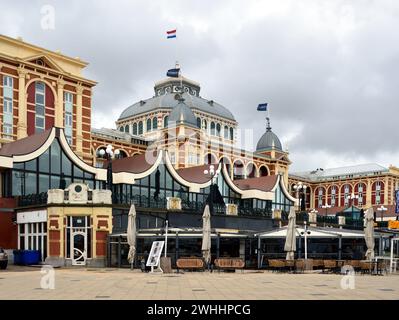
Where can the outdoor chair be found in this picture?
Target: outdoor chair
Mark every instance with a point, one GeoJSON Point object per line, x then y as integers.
{"type": "Point", "coordinates": [289, 265]}
{"type": "Point", "coordinates": [190, 264]}
{"type": "Point", "coordinates": [355, 264]}
{"type": "Point", "coordinates": [300, 265]}
{"type": "Point", "coordinates": [366, 267]}
{"type": "Point", "coordinates": [276, 265]}
{"type": "Point", "coordinates": [229, 263]}
{"type": "Point", "coordinates": [330, 265]}
{"type": "Point", "coordinates": [318, 264]}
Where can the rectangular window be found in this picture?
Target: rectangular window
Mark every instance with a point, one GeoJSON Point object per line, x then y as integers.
{"type": "Point", "coordinates": [7, 131]}
{"type": "Point", "coordinates": [172, 158]}
{"type": "Point", "coordinates": [68, 107]}
{"type": "Point", "coordinates": [7, 81]}
{"type": "Point", "coordinates": [40, 107]}
{"type": "Point", "coordinates": [7, 107]}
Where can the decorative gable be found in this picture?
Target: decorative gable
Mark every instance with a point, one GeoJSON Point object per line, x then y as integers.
{"type": "Point", "coordinates": [44, 61]}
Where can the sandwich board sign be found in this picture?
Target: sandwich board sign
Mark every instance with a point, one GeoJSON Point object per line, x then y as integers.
{"type": "Point", "coordinates": [155, 254]}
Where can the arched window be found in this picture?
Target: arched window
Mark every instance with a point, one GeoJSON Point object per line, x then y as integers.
{"type": "Point", "coordinates": [263, 171]}
{"type": "Point", "coordinates": [135, 128]}
{"type": "Point", "coordinates": [199, 122]}
{"type": "Point", "coordinates": [140, 127]}
{"type": "Point", "coordinates": [148, 125]}
{"type": "Point", "coordinates": [231, 133]}
{"type": "Point", "coordinates": [165, 121]}
{"type": "Point", "coordinates": [154, 123]}
{"type": "Point", "coordinates": [334, 194]}
{"type": "Point", "coordinates": [121, 129]}
{"type": "Point", "coordinates": [213, 128]}
{"type": "Point", "coordinates": [226, 132]}
{"type": "Point", "coordinates": [127, 128]}
{"type": "Point", "coordinates": [218, 129]}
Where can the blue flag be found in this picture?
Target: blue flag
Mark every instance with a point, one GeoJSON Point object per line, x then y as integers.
{"type": "Point", "coordinates": [174, 73]}
{"type": "Point", "coordinates": [262, 107]}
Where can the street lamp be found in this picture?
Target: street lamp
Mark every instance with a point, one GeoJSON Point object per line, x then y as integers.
{"type": "Point", "coordinates": [305, 233]}
{"type": "Point", "coordinates": [382, 209]}
{"type": "Point", "coordinates": [352, 197]}
{"type": "Point", "coordinates": [109, 155]}
{"type": "Point", "coordinates": [326, 206]}
{"type": "Point", "coordinates": [300, 189]}
{"type": "Point", "coordinates": [214, 174]}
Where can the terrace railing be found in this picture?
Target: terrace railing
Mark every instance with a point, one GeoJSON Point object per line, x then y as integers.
{"type": "Point", "coordinates": [32, 199]}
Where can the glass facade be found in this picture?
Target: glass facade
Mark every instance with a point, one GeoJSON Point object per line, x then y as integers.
{"type": "Point", "coordinates": [152, 191]}
{"type": "Point", "coordinates": [51, 170]}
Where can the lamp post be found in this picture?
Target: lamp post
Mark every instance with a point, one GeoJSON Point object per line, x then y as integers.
{"type": "Point", "coordinates": [326, 206]}
{"type": "Point", "coordinates": [214, 174]}
{"type": "Point", "coordinates": [351, 198]}
{"type": "Point", "coordinates": [382, 209]}
{"type": "Point", "coordinates": [305, 234]}
{"type": "Point", "coordinates": [300, 189]}
{"type": "Point", "coordinates": [109, 155]}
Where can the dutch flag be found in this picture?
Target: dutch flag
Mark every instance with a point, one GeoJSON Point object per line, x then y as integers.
{"type": "Point", "coordinates": [171, 34]}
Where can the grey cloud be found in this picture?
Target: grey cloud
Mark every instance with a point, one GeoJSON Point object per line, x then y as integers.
{"type": "Point", "coordinates": [332, 69]}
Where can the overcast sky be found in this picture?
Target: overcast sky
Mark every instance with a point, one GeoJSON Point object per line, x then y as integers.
{"type": "Point", "coordinates": [328, 69]}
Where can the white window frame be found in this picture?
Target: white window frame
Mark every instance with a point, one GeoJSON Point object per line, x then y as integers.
{"type": "Point", "coordinates": [7, 105]}
{"type": "Point", "coordinates": [34, 234]}
{"type": "Point", "coordinates": [8, 82]}
{"type": "Point", "coordinates": [40, 116]}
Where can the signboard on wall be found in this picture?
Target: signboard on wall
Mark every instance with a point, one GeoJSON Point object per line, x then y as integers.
{"type": "Point", "coordinates": [32, 216]}
{"type": "Point", "coordinates": [155, 253]}
{"type": "Point", "coordinates": [397, 201]}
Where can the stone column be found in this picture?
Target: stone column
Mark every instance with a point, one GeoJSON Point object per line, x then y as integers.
{"type": "Point", "coordinates": [59, 108]}
{"type": "Point", "coordinates": [79, 134]}
{"type": "Point", "coordinates": [22, 105]}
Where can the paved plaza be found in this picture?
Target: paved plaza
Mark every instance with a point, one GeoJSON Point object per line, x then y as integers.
{"type": "Point", "coordinates": [93, 284]}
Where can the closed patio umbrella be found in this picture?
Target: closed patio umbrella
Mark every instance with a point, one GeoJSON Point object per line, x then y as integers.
{"type": "Point", "coordinates": [131, 234]}
{"type": "Point", "coordinates": [206, 235]}
{"type": "Point", "coordinates": [369, 233]}
{"type": "Point", "coordinates": [290, 240]}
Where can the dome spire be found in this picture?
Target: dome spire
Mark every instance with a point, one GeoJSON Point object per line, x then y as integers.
{"type": "Point", "coordinates": [268, 127]}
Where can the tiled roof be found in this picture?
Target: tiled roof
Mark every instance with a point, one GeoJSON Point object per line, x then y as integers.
{"type": "Point", "coordinates": [136, 164]}
{"type": "Point", "coordinates": [194, 174]}
{"type": "Point", "coordinates": [26, 145]}
{"type": "Point", "coordinates": [261, 183]}
{"type": "Point", "coordinates": [115, 134]}
{"type": "Point", "coordinates": [168, 101]}
{"type": "Point", "coordinates": [322, 174]}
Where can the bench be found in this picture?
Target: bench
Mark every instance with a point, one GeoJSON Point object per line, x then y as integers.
{"type": "Point", "coordinates": [190, 263]}
{"type": "Point", "coordinates": [229, 263]}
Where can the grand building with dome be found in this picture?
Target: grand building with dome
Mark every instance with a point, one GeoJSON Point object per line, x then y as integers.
{"type": "Point", "coordinates": [66, 188]}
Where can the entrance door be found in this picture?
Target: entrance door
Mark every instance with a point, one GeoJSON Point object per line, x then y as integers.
{"type": "Point", "coordinates": [79, 248]}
